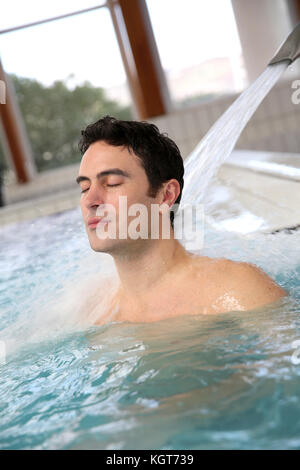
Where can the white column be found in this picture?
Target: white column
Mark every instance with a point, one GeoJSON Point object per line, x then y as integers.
{"type": "Point", "coordinates": [262, 25]}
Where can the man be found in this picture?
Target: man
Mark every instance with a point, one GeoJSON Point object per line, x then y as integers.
{"type": "Point", "coordinates": [133, 161]}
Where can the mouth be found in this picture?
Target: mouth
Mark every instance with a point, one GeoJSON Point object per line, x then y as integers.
{"type": "Point", "coordinates": [93, 222]}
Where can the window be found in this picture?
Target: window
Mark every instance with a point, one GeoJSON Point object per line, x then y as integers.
{"type": "Point", "coordinates": [67, 74]}
{"type": "Point", "coordinates": [199, 48]}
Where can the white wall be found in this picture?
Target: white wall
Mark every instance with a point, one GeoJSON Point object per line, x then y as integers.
{"type": "Point", "coordinates": [262, 25]}
{"type": "Point", "coordinates": [275, 125]}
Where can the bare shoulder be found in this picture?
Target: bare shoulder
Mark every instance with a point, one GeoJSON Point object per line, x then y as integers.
{"type": "Point", "coordinates": [248, 284]}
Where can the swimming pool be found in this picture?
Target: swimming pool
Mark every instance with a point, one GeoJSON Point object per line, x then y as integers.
{"type": "Point", "coordinates": [198, 382]}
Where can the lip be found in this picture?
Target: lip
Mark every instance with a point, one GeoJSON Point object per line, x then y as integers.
{"type": "Point", "coordinates": [94, 221]}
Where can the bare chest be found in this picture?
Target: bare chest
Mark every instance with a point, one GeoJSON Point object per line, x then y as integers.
{"type": "Point", "coordinates": [171, 302]}
{"type": "Point", "coordinates": [193, 294]}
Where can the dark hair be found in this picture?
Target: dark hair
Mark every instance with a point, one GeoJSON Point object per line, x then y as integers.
{"type": "Point", "coordinates": [160, 156]}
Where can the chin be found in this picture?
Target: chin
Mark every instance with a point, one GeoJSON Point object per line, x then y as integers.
{"type": "Point", "coordinates": [105, 246]}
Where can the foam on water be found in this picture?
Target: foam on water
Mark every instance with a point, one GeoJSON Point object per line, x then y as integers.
{"type": "Point", "coordinates": [43, 288]}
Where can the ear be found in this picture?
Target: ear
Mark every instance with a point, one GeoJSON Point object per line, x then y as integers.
{"type": "Point", "coordinates": [170, 193]}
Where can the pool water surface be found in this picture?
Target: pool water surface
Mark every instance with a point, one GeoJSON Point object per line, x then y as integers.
{"type": "Point", "coordinates": [195, 382]}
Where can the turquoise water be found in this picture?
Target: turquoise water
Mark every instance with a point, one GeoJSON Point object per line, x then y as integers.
{"type": "Point", "coordinates": [206, 382]}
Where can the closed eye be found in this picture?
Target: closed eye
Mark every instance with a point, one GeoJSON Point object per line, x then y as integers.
{"type": "Point", "coordinates": [110, 185]}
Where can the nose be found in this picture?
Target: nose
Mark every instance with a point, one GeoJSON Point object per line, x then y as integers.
{"type": "Point", "coordinates": [94, 197]}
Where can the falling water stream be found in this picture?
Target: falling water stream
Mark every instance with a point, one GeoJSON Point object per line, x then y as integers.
{"type": "Point", "coordinates": [218, 143]}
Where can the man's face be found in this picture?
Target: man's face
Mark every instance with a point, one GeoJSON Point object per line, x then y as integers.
{"type": "Point", "coordinates": [110, 172]}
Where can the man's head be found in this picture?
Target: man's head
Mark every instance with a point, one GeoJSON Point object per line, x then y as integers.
{"type": "Point", "coordinates": [149, 165]}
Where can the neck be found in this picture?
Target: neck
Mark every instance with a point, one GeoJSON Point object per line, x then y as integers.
{"type": "Point", "coordinates": [147, 266]}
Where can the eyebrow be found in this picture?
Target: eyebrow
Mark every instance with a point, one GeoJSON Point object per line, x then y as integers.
{"type": "Point", "coordinates": [110, 171]}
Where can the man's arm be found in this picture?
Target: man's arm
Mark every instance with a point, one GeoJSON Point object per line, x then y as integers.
{"type": "Point", "coordinates": [249, 286]}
